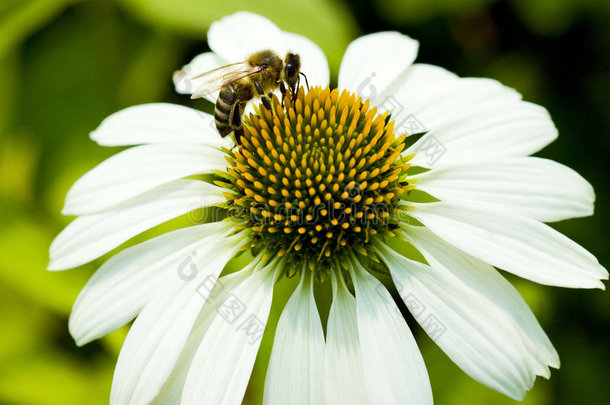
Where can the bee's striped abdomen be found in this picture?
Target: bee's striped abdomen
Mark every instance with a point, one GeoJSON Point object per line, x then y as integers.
{"type": "Point", "coordinates": [224, 106]}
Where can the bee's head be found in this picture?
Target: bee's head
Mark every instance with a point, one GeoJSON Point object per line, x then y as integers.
{"type": "Point", "coordinates": [292, 68]}
{"type": "Point", "coordinates": [270, 63]}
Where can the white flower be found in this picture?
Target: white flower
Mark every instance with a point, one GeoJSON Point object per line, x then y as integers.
{"type": "Point", "coordinates": [196, 337]}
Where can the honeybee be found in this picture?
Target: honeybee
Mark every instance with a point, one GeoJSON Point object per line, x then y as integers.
{"type": "Point", "coordinates": [239, 83]}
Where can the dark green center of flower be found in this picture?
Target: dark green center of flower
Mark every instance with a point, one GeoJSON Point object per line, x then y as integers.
{"type": "Point", "coordinates": [318, 179]}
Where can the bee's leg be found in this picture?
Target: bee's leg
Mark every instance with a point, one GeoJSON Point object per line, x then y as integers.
{"type": "Point", "coordinates": [266, 102]}
{"type": "Point", "coordinates": [258, 88]}
{"type": "Point", "coordinates": [296, 88]}
{"type": "Point", "coordinates": [306, 81]}
{"type": "Point", "coordinates": [261, 93]}
{"type": "Point", "coordinates": [239, 132]}
{"type": "Point", "coordinates": [236, 123]}
{"type": "Point", "coordinates": [283, 91]}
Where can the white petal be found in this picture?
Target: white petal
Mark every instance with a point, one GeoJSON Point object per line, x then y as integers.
{"type": "Point", "coordinates": [441, 101]}
{"type": "Point", "coordinates": [372, 63]}
{"type": "Point", "coordinates": [344, 376]}
{"type": "Point", "coordinates": [430, 77]}
{"type": "Point", "coordinates": [394, 371]}
{"type": "Point", "coordinates": [313, 61]}
{"type": "Point", "coordinates": [486, 133]}
{"type": "Point", "coordinates": [185, 81]}
{"type": "Point", "coordinates": [538, 188]}
{"type": "Point", "coordinates": [517, 244]}
{"type": "Point", "coordinates": [428, 89]}
{"type": "Point", "coordinates": [90, 236]}
{"type": "Point", "coordinates": [123, 285]}
{"type": "Point", "coordinates": [467, 119]}
{"type": "Point", "coordinates": [223, 362]}
{"type": "Point", "coordinates": [296, 368]}
{"type": "Point", "coordinates": [475, 315]}
{"type": "Point", "coordinates": [237, 36]}
{"type": "Point", "coordinates": [158, 123]}
{"type": "Point", "coordinates": [172, 391]}
{"type": "Point", "coordinates": [159, 333]}
{"type": "Point", "coordinates": [137, 170]}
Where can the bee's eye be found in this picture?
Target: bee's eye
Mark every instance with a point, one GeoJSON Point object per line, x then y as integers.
{"type": "Point", "coordinates": [291, 70]}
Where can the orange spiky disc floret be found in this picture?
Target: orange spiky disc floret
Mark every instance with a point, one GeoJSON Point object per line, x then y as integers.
{"type": "Point", "coordinates": [320, 177]}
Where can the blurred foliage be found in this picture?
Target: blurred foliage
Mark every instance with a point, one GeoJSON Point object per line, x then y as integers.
{"type": "Point", "coordinates": [20, 18]}
{"type": "Point", "coordinates": [65, 65]}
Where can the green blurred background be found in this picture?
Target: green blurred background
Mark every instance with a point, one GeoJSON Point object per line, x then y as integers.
{"type": "Point", "coordinates": [65, 65]}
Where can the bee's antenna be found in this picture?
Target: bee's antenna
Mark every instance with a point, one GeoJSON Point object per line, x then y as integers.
{"type": "Point", "coordinates": [306, 82]}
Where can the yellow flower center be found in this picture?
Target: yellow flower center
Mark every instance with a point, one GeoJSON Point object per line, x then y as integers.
{"type": "Point", "coordinates": [318, 179]}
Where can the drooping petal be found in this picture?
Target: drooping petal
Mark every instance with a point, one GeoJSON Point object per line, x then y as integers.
{"type": "Point", "coordinates": [119, 289]}
{"type": "Point", "coordinates": [137, 170]}
{"type": "Point", "coordinates": [394, 371]}
{"type": "Point", "coordinates": [537, 188]}
{"type": "Point", "coordinates": [296, 367]}
{"type": "Point", "coordinates": [313, 61]}
{"type": "Point", "coordinates": [467, 119]}
{"type": "Point", "coordinates": [173, 389]}
{"type": "Point", "coordinates": [159, 333]}
{"type": "Point", "coordinates": [372, 63]}
{"type": "Point", "coordinates": [344, 376]}
{"type": "Point", "coordinates": [90, 236]}
{"type": "Point", "coordinates": [520, 245]}
{"type": "Point", "coordinates": [475, 315]}
{"type": "Point", "coordinates": [224, 360]}
{"type": "Point", "coordinates": [158, 123]}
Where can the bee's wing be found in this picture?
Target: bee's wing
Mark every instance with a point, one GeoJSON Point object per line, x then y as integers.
{"type": "Point", "coordinates": [215, 79]}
